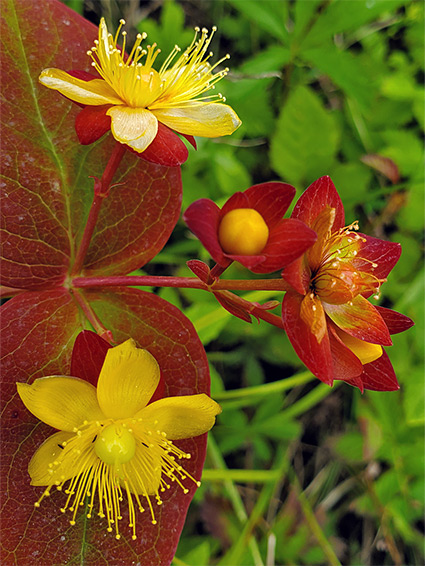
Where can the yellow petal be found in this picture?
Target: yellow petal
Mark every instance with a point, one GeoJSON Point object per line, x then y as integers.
{"type": "Point", "coordinates": [61, 402]}
{"type": "Point", "coordinates": [181, 417]}
{"type": "Point", "coordinates": [210, 120]}
{"type": "Point", "coordinates": [49, 451]}
{"type": "Point", "coordinates": [92, 93]}
{"type": "Point", "coordinates": [136, 127]}
{"type": "Point", "coordinates": [365, 351]}
{"type": "Point", "coordinates": [127, 381]}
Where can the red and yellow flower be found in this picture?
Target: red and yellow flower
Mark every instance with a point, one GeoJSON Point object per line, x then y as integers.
{"type": "Point", "coordinates": [332, 326]}
{"type": "Point", "coordinates": [114, 440]}
{"type": "Point", "coordinates": [141, 105]}
{"type": "Point", "coordinates": [250, 228]}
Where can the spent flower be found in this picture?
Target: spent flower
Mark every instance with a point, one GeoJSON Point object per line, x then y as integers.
{"type": "Point", "coordinates": [114, 441]}
{"type": "Point", "coordinates": [141, 105]}
{"type": "Point", "coordinates": [332, 326]}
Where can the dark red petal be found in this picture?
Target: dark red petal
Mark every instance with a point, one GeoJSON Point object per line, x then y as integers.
{"type": "Point", "coordinates": [381, 252]}
{"type": "Point", "coordinates": [248, 261]}
{"type": "Point", "coordinates": [298, 275]}
{"type": "Point", "coordinates": [379, 375]}
{"type": "Point", "coordinates": [320, 194]}
{"type": "Point", "coordinates": [288, 240]}
{"type": "Point", "coordinates": [395, 321]}
{"type": "Point", "coordinates": [91, 123]}
{"type": "Point", "coordinates": [166, 149]}
{"type": "Point", "coordinates": [317, 357]}
{"type": "Point", "coordinates": [88, 355]}
{"type": "Point", "coordinates": [271, 200]}
{"type": "Point", "coordinates": [360, 319]}
{"type": "Point", "coordinates": [203, 218]}
{"type": "Point", "coordinates": [237, 200]}
{"type": "Point", "coordinates": [236, 310]}
{"type": "Point", "coordinates": [347, 365]}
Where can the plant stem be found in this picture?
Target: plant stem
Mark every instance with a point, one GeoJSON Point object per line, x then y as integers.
{"type": "Point", "coordinates": [101, 191]}
{"type": "Point", "coordinates": [182, 282]}
{"type": "Point", "coordinates": [91, 316]}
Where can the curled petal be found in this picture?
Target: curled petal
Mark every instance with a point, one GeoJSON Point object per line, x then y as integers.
{"type": "Point", "coordinates": [127, 381]}
{"type": "Point", "coordinates": [360, 319]}
{"type": "Point", "coordinates": [203, 218]}
{"type": "Point", "coordinates": [271, 200]}
{"type": "Point", "coordinates": [377, 256]}
{"type": "Point", "coordinates": [181, 417]}
{"type": "Point", "coordinates": [316, 356]}
{"type": "Point", "coordinates": [48, 452]}
{"type": "Point", "coordinates": [60, 401]}
{"type": "Point", "coordinates": [320, 194]}
{"type": "Point", "coordinates": [94, 93]}
{"type": "Point", "coordinates": [288, 240]}
{"type": "Point", "coordinates": [196, 119]}
{"type": "Point", "coordinates": [136, 127]}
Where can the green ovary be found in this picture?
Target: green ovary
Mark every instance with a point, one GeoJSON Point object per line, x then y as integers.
{"type": "Point", "coordinates": [243, 231]}
{"type": "Point", "coordinates": [115, 445]}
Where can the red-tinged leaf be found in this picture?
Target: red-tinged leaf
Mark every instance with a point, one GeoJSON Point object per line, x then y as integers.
{"type": "Point", "coordinates": [227, 303]}
{"type": "Point", "coordinates": [317, 357]}
{"type": "Point", "coordinates": [91, 123]}
{"type": "Point", "coordinates": [199, 268]}
{"type": "Point", "coordinates": [379, 375]}
{"type": "Point", "coordinates": [38, 332]}
{"type": "Point", "coordinates": [377, 256]}
{"type": "Point", "coordinates": [166, 149]}
{"type": "Point", "coordinates": [288, 240]}
{"type": "Point", "coordinates": [203, 218]}
{"type": "Point", "coordinates": [46, 187]}
{"type": "Point", "coordinates": [384, 165]}
{"type": "Point", "coordinates": [88, 355]}
{"type": "Point", "coordinates": [271, 200]}
{"type": "Point", "coordinates": [360, 319]}
{"type": "Point", "coordinates": [320, 194]}
{"type": "Point", "coordinates": [395, 321]}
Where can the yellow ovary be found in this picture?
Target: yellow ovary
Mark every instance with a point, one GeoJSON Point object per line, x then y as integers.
{"type": "Point", "coordinates": [243, 231]}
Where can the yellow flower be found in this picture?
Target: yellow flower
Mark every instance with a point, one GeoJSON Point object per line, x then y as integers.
{"type": "Point", "coordinates": [139, 96]}
{"type": "Point", "coordinates": [111, 442]}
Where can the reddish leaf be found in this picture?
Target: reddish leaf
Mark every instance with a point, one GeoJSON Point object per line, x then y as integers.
{"type": "Point", "coordinates": [47, 191]}
{"type": "Point", "coordinates": [384, 165]}
{"type": "Point", "coordinates": [38, 330]}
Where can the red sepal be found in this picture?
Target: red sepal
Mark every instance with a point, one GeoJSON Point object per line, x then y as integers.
{"type": "Point", "coordinates": [166, 149]}
{"type": "Point", "coordinates": [347, 365]}
{"type": "Point", "coordinates": [271, 200]}
{"type": "Point", "coordinates": [88, 355]}
{"type": "Point", "coordinates": [320, 194]}
{"type": "Point", "coordinates": [374, 250]}
{"type": "Point", "coordinates": [227, 304]}
{"type": "Point", "coordinates": [395, 321]}
{"type": "Point", "coordinates": [203, 218]}
{"type": "Point", "coordinates": [199, 268]}
{"type": "Point", "coordinates": [317, 357]}
{"type": "Point", "coordinates": [298, 274]}
{"type": "Point", "coordinates": [91, 123]}
{"type": "Point", "coordinates": [379, 375]}
{"type": "Point", "coordinates": [190, 139]}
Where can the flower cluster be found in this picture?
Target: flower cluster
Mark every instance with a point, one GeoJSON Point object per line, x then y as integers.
{"type": "Point", "coordinates": [141, 105]}
{"type": "Point", "coordinates": [112, 440]}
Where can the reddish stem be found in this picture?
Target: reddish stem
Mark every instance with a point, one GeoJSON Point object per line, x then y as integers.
{"type": "Point", "coordinates": [92, 316]}
{"type": "Point", "coordinates": [101, 191]}
{"type": "Point", "coordinates": [182, 282]}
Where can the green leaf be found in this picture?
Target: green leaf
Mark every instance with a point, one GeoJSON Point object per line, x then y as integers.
{"type": "Point", "coordinates": [306, 138]}
{"type": "Point", "coordinates": [267, 14]}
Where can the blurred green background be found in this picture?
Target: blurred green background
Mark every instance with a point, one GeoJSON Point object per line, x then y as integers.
{"type": "Point", "coordinates": [299, 473]}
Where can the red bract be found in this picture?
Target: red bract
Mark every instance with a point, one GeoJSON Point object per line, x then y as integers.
{"type": "Point", "coordinates": [332, 326]}
{"type": "Point", "coordinates": [287, 238]}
